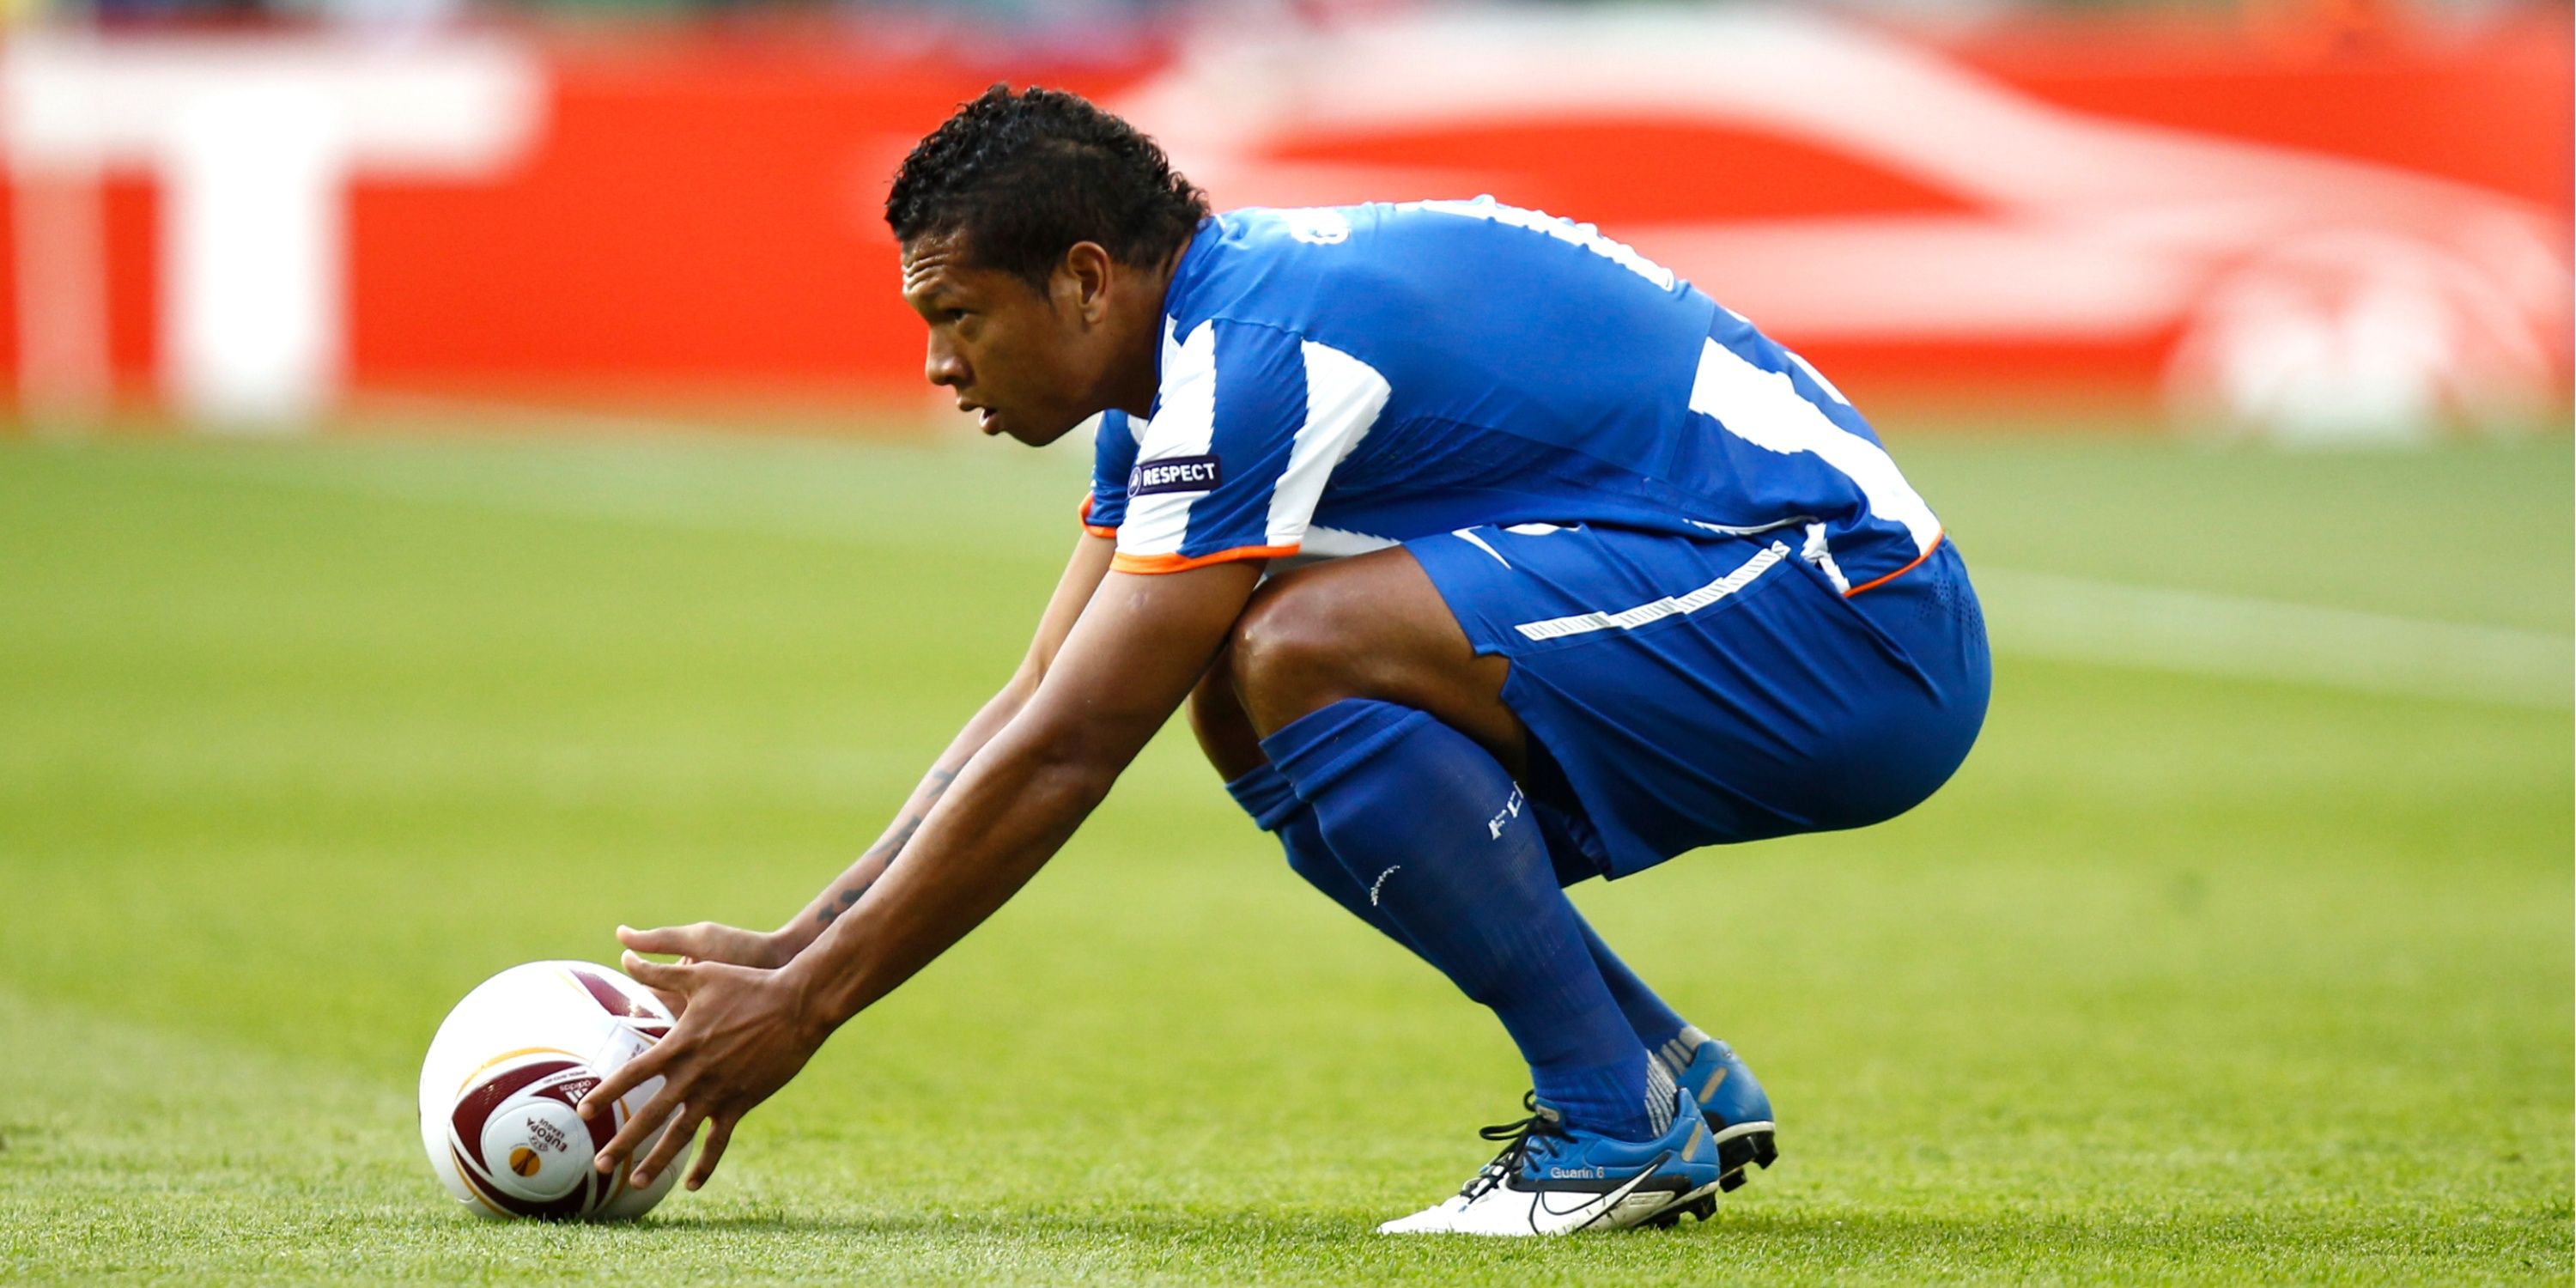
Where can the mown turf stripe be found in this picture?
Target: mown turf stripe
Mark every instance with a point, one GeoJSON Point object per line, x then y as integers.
{"type": "Point", "coordinates": [2032, 614]}
{"type": "Point", "coordinates": [2081, 620]}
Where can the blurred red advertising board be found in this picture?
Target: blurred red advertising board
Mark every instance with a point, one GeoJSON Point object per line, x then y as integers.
{"type": "Point", "coordinates": [2320, 242]}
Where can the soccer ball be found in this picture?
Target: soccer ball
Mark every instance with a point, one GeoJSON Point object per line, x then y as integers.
{"type": "Point", "coordinates": [498, 1089]}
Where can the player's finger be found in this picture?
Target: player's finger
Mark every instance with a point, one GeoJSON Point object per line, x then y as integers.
{"type": "Point", "coordinates": [719, 1130]}
{"type": "Point", "coordinates": [681, 941]}
{"type": "Point", "coordinates": [637, 1130]}
{"type": "Point", "coordinates": [670, 941]}
{"type": "Point", "coordinates": [628, 1076]}
{"type": "Point", "coordinates": [661, 975]}
{"type": "Point", "coordinates": [684, 1126]}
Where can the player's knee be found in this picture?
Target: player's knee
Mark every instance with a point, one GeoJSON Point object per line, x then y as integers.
{"type": "Point", "coordinates": [1293, 653]}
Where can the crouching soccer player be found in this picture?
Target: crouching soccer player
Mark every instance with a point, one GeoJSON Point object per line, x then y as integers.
{"type": "Point", "coordinates": [1487, 556]}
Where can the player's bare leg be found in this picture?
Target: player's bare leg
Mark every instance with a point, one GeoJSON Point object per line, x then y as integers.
{"type": "Point", "coordinates": [1365, 649]}
{"type": "Point", "coordinates": [1224, 731]}
{"type": "Point", "coordinates": [1380, 605]}
{"type": "Point", "coordinates": [1369, 627]}
{"type": "Point", "coordinates": [1376, 626]}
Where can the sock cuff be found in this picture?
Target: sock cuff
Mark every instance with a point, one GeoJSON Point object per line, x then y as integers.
{"type": "Point", "coordinates": [1320, 748]}
{"type": "Point", "coordinates": [1266, 796]}
{"type": "Point", "coordinates": [1663, 1097]}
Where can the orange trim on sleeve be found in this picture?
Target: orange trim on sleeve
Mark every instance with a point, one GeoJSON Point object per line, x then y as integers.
{"type": "Point", "coordinates": [1094, 528]}
{"type": "Point", "coordinates": [1124, 562]}
{"type": "Point", "coordinates": [1876, 582]}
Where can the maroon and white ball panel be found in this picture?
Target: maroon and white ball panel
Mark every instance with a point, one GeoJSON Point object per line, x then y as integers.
{"type": "Point", "coordinates": [503, 1075]}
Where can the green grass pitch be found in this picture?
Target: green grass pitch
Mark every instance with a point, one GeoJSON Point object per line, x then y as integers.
{"type": "Point", "coordinates": [2186, 978]}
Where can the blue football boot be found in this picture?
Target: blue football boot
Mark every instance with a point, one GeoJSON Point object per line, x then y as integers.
{"type": "Point", "coordinates": [1552, 1178]}
{"type": "Point", "coordinates": [1732, 1100]}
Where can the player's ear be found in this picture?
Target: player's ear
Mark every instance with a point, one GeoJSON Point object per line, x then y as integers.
{"type": "Point", "coordinates": [1083, 281]}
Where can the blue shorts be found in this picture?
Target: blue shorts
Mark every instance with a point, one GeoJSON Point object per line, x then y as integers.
{"type": "Point", "coordinates": [1684, 691]}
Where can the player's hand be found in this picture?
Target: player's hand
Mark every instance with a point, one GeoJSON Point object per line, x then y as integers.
{"type": "Point", "coordinates": [745, 1032]}
{"type": "Point", "coordinates": [709, 941]}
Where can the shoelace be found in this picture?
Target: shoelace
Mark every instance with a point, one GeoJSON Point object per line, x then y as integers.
{"type": "Point", "coordinates": [1519, 1134]}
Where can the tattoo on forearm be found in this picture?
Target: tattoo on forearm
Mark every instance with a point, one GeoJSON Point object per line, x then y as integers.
{"type": "Point", "coordinates": [844, 902]}
{"type": "Point", "coordinates": [891, 848]}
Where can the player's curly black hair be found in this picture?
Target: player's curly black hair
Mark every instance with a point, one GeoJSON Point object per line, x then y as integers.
{"type": "Point", "coordinates": [1025, 176]}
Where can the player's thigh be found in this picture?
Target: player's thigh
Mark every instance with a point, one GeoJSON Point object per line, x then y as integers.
{"type": "Point", "coordinates": [1371, 626]}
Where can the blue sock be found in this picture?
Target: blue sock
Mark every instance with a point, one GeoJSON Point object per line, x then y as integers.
{"type": "Point", "coordinates": [1432, 831]}
{"type": "Point", "coordinates": [1265, 795]}
{"type": "Point", "coordinates": [1273, 804]}
{"type": "Point", "coordinates": [1655, 1024]}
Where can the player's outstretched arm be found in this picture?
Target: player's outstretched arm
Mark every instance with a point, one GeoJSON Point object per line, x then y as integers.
{"type": "Point", "coordinates": [1132, 656]}
{"type": "Point", "coordinates": [716, 942]}
{"type": "Point", "coordinates": [1082, 574]}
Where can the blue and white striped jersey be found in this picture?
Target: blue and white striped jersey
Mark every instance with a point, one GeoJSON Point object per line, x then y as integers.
{"type": "Point", "coordinates": [1336, 380]}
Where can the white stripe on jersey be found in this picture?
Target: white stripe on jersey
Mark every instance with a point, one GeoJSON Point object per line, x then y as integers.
{"type": "Point", "coordinates": [1172, 341]}
{"type": "Point", "coordinates": [1763, 408]}
{"type": "Point", "coordinates": [1338, 543]}
{"type": "Point", "coordinates": [1182, 426]}
{"type": "Point", "coordinates": [1323, 544]}
{"type": "Point", "coordinates": [1343, 398]}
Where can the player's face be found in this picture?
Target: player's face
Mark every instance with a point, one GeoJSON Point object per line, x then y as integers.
{"type": "Point", "coordinates": [1029, 362]}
